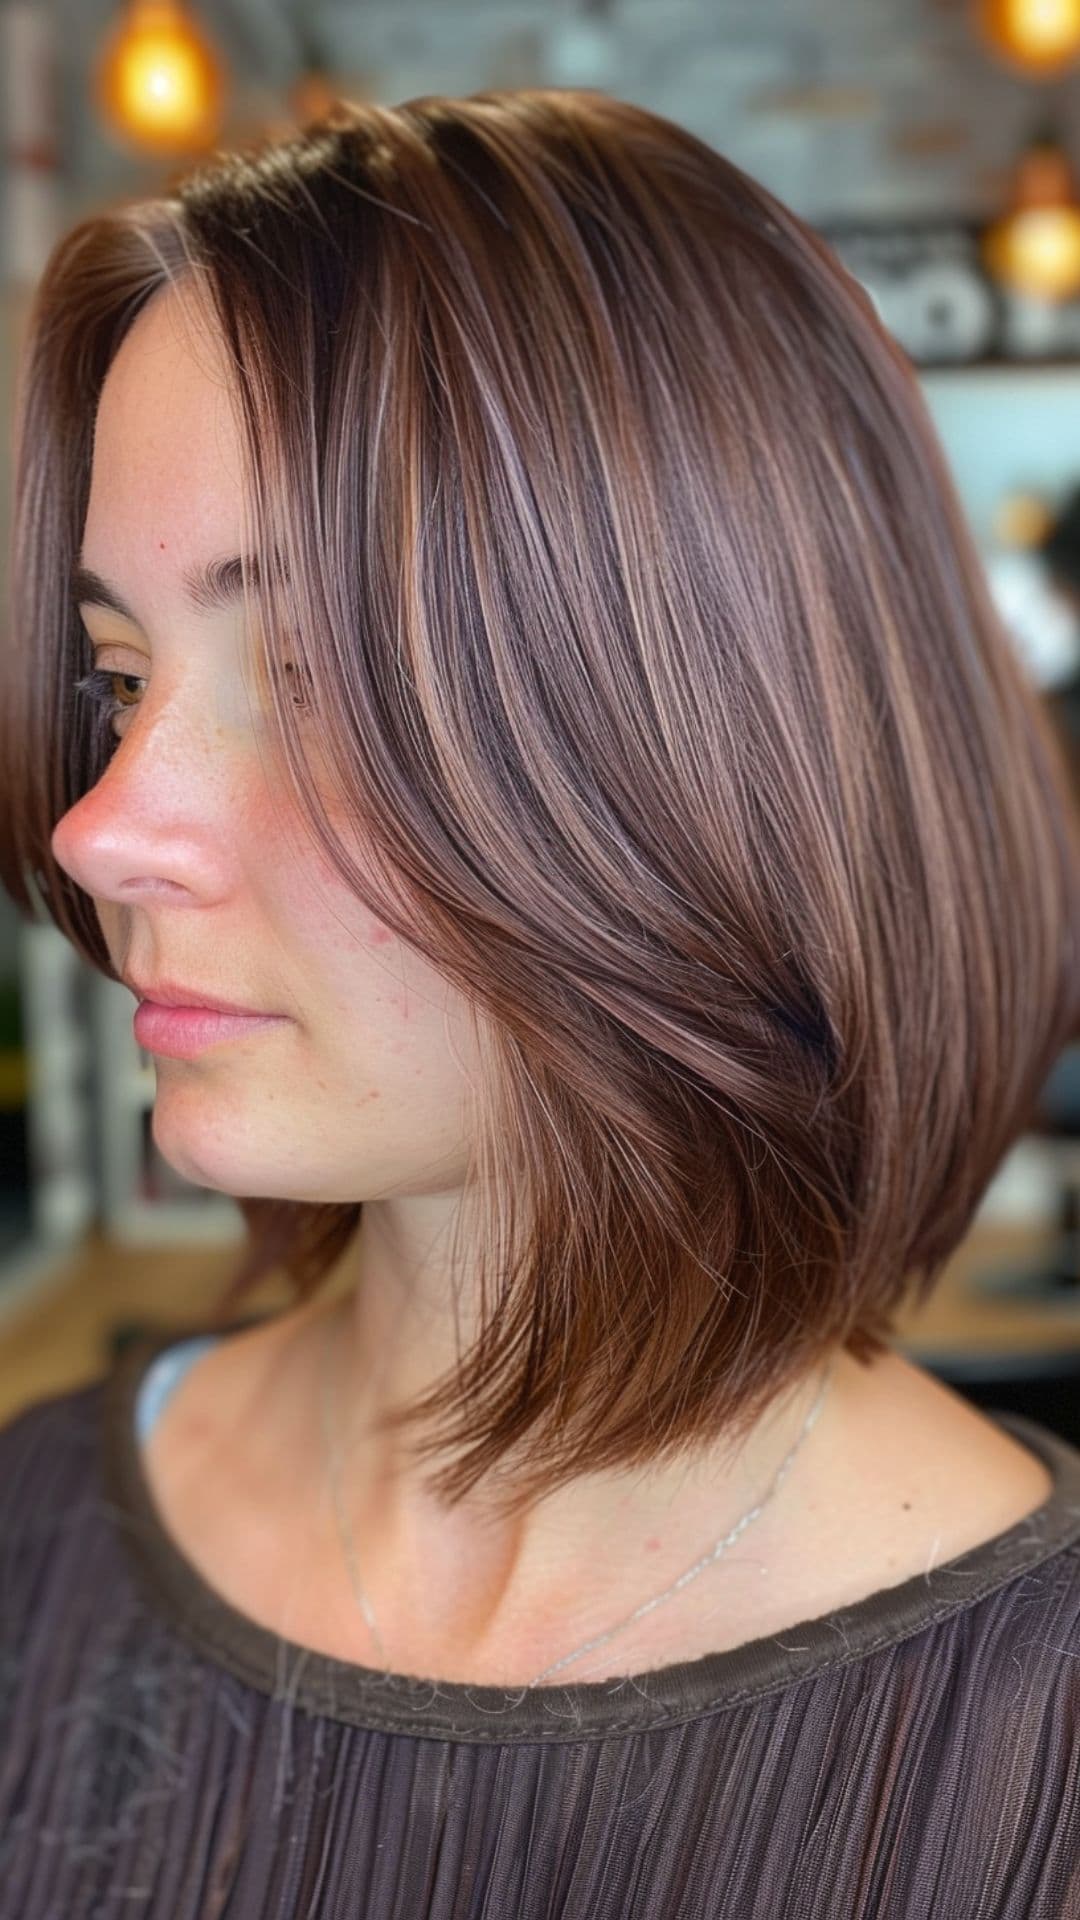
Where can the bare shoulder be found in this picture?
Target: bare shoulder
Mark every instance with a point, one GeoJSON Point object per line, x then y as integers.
{"type": "Point", "coordinates": [903, 1475]}
{"type": "Point", "coordinates": [227, 1466]}
{"type": "Point", "coordinates": [904, 1464]}
{"type": "Point", "coordinates": [235, 1394]}
{"type": "Point", "coordinates": [923, 1465]}
{"type": "Point", "coordinates": [929, 1412]}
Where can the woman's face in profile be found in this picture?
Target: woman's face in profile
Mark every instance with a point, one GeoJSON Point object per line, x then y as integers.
{"type": "Point", "coordinates": [359, 1091]}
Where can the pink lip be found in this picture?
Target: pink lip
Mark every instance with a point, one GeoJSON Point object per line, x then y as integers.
{"type": "Point", "coordinates": [183, 1032]}
{"type": "Point", "coordinates": [168, 993]}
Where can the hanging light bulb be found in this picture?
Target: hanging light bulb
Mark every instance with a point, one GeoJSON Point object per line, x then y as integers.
{"type": "Point", "coordinates": [158, 81]}
{"type": "Point", "coordinates": [1035, 246]}
{"type": "Point", "coordinates": [1038, 35]}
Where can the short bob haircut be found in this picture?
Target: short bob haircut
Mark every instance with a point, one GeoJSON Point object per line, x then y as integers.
{"type": "Point", "coordinates": [641, 629]}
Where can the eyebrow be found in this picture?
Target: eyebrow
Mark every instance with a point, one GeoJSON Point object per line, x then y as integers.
{"type": "Point", "coordinates": [209, 588]}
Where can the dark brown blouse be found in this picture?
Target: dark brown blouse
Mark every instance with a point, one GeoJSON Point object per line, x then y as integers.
{"type": "Point", "coordinates": [915, 1756]}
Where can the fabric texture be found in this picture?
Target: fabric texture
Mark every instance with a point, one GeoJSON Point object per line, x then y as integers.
{"type": "Point", "coordinates": [911, 1756]}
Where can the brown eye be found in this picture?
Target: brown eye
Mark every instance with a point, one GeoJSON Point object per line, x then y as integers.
{"type": "Point", "coordinates": [117, 679]}
{"type": "Point", "coordinates": [99, 686]}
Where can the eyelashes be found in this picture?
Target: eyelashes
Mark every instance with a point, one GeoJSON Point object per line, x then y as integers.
{"type": "Point", "coordinates": [96, 686]}
{"type": "Point", "coordinates": [96, 689]}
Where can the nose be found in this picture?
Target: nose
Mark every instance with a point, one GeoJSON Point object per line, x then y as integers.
{"type": "Point", "coordinates": [159, 822]}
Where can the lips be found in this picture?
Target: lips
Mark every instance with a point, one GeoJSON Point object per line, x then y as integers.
{"type": "Point", "coordinates": [169, 993]}
{"type": "Point", "coordinates": [183, 1032]}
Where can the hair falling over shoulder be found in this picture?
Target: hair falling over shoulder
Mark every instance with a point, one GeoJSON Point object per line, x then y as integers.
{"type": "Point", "coordinates": [652, 648]}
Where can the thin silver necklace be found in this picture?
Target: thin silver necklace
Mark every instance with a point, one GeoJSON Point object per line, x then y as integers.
{"type": "Point", "coordinates": [333, 1454]}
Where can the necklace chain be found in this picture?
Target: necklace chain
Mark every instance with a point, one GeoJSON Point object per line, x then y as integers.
{"type": "Point", "coordinates": [333, 1451]}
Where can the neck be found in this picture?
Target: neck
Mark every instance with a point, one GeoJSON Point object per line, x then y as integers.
{"type": "Point", "coordinates": [584, 1556]}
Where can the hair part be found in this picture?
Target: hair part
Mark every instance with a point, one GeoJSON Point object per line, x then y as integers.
{"type": "Point", "coordinates": [651, 651]}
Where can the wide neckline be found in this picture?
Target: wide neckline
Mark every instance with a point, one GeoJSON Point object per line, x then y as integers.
{"type": "Point", "coordinates": [361, 1696]}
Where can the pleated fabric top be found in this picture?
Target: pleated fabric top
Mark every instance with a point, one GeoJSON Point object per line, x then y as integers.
{"type": "Point", "coordinates": [915, 1756]}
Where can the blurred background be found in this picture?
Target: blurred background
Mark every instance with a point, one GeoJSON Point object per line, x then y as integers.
{"type": "Point", "coordinates": [929, 141]}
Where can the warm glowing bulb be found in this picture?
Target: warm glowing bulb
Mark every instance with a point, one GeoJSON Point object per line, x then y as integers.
{"type": "Point", "coordinates": [1034, 34]}
{"type": "Point", "coordinates": [1037, 251]}
{"type": "Point", "coordinates": [158, 80]}
{"type": "Point", "coordinates": [1035, 245]}
{"type": "Point", "coordinates": [1022, 520]}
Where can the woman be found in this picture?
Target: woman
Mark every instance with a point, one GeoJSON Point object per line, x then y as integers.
{"type": "Point", "coordinates": [529, 653]}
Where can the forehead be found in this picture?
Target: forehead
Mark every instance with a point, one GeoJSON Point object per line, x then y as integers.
{"type": "Point", "coordinates": [164, 508]}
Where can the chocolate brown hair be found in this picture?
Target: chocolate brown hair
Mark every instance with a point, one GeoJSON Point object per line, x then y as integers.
{"type": "Point", "coordinates": [648, 643]}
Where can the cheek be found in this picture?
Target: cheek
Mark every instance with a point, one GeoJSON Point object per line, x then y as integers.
{"type": "Point", "coordinates": [355, 955]}
{"type": "Point", "coordinates": [311, 901]}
